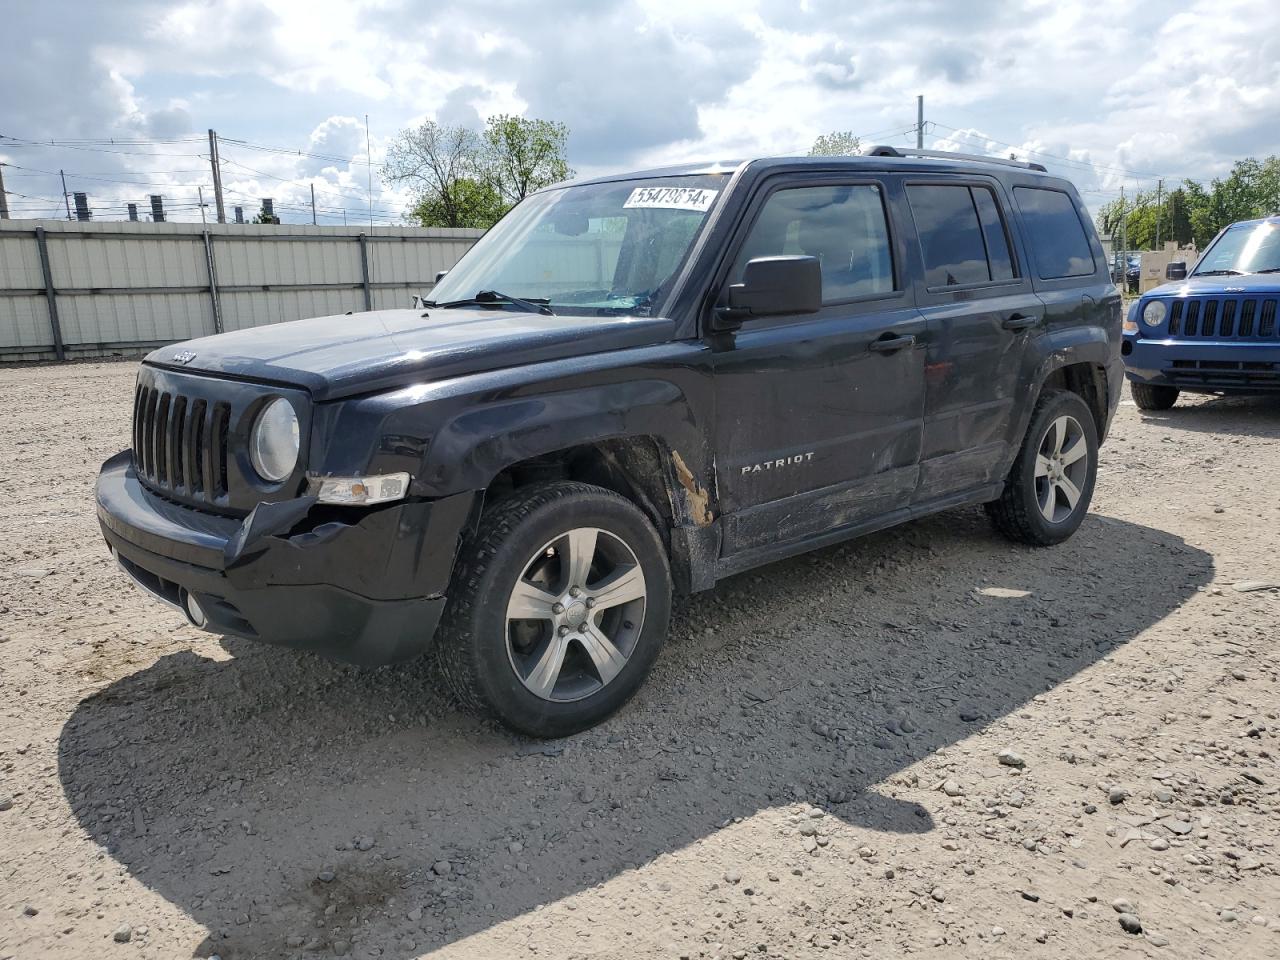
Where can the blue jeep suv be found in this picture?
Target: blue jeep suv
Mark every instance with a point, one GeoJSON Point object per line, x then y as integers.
{"type": "Point", "coordinates": [1213, 331]}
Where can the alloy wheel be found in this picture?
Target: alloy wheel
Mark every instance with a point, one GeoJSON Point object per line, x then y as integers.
{"type": "Point", "coordinates": [1062, 469]}
{"type": "Point", "coordinates": [575, 614]}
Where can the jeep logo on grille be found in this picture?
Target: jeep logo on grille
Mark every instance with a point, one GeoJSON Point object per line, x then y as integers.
{"type": "Point", "coordinates": [183, 357]}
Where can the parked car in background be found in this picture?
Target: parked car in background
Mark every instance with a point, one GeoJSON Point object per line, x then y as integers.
{"type": "Point", "coordinates": [630, 386]}
{"type": "Point", "coordinates": [1213, 330]}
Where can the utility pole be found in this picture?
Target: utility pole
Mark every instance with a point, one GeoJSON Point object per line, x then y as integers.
{"type": "Point", "coordinates": [4, 201]}
{"type": "Point", "coordinates": [368, 154]}
{"type": "Point", "coordinates": [200, 195]}
{"type": "Point", "coordinates": [313, 204]}
{"type": "Point", "coordinates": [1159, 209]}
{"type": "Point", "coordinates": [216, 163]}
{"type": "Point", "coordinates": [65, 198]}
{"type": "Point", "coordinates": [920, 122]}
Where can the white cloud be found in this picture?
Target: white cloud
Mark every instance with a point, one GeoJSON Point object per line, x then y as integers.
{"type": "Point", "coordinates": [1124, 94]}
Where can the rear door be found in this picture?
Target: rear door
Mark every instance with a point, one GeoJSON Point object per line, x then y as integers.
{"type": "Point", "coordinates": [977, 297]}
{"type": "Point", "coordinates": [818, 416]}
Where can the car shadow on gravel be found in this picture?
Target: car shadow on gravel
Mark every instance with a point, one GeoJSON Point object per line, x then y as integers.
{"type": "Point", "coordinates": [1224, 416]}
{"type": "Point", "coordinates": [291, 805]}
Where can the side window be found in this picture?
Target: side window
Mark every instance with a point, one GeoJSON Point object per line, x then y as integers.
{"type": "Point", "coordinates": [1058, 240]}
{"type": "Point", "coordinates": [843, 226]}
{"type": "Point", "coordinates": [962, 236]}
{"type": "Point", "coordinates": [993, 232]}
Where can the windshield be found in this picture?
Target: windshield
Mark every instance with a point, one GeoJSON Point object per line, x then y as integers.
{"type": "Point", "coordinates": [599, 248]}
{"type": "Point", "coordinates": [1248, 248]}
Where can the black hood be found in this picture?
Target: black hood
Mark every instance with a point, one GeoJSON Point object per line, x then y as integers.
{"type": "Point", "coordinates": [338, 356]}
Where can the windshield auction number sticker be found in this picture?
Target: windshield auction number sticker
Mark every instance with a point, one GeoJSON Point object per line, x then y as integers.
{"type": "Point", "coordinates": [672, 198]}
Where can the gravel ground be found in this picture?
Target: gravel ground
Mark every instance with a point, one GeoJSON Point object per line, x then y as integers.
{"type": "Point", "coordinates": [927, 740]}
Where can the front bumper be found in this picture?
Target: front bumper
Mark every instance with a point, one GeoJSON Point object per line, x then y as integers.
{"type": "Point", "coordinates": [1208, 365]}
{"type": "Point", "coordinates": [364, 586]}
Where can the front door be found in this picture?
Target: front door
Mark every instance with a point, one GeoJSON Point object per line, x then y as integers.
{"type": "Point", "coordinates": [982, 312]}
{"type": "Point", "coordinates": [819, 416]}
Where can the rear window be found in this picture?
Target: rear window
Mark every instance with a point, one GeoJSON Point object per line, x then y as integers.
{"type": "Point", "coordinates": [1057, 236]}
{"type": "Point", "coordinates": [962, 236]}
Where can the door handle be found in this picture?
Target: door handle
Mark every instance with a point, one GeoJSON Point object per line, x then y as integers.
{"type": "Point", "coordinates": [891, 344]}
{"type": "Point", "coordinates": [1019, 321]}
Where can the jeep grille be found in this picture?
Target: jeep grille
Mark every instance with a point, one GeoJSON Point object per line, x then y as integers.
{"type": "Point", "coordinates": [180, 444]}
{"type": "Point", "coordinates": [1223, 318]}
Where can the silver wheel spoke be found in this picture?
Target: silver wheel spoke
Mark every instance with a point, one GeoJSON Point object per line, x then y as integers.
{"type": "Point", "coordinates": [1049, 500]}
{"type": "Point", "coordinates": [1042, 465]}
{"type": "Point", "coordinates": [1070, 491]}
{"type": "Point", "coordinates": [529, 602]}
{"type": "Point", "coordinates": [580, 545]}
{"type": "Point", "coordinates": [607, 658]}
{"type": "Point", "coordinates": [1059, 435]}
{"type": "Point", "coordinates": [621, 587]}
{"type": "Point", "coordinates": [542, 679]}
{"type": "Point", "coordinates": [1074, 452]}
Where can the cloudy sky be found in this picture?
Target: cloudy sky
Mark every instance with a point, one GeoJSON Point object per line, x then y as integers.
{"type": "Point", "coordinates": [1113, 94]}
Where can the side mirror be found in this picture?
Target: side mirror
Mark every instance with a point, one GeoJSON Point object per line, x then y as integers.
{"type": "Point", "coordinates": [440, 275]}
{"type": "Point", "coordinates": [1176, 270]}
{"type": "Point", "coordinates": [771, 286]}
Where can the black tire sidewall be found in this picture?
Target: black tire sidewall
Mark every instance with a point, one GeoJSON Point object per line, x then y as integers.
{"type": "Point", "coordinates": [499, 685]}
{"type": "Point", "coordinates": [1153, 396]}
{"type": "Point", "coordinates": [1059, 404]}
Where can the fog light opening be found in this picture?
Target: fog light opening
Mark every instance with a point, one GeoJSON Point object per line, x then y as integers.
{"type": "Point", "coordinates": [193, 610]}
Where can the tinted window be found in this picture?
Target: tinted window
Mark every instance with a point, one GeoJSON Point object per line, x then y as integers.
{"type": "Point", "coordinates": [843, 226]}
{"type": "Point", "coordinates": [998, 259]}
{"type": "Point", "coordinates": [1058, 240]}
{"type": "Point", "coordinates": [952, 240]}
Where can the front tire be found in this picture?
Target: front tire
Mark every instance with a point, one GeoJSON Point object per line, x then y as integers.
{"type": "Point", "coordinates": [558, 608]}
{"type": "Point", "coordinates": [1153, 396]}
{"type": "Point", "coordinates": [1047, 493]}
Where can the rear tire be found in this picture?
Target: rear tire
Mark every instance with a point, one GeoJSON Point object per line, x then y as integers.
{"type": "Point", "coordinates": [1047, 493]}
{"type": "Point", "coordinates": [1153, 396]}
{"type": "Point", "coordinates": [557, 610]}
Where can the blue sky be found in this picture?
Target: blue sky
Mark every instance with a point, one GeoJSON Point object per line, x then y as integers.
{"type": "Point", "coordinates": [1110, 95]}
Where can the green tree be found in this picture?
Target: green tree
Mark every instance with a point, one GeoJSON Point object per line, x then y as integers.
{"type": "Point", "coordinates": [460, 178]}
{"type": "Point", "coordinates": [475, 203]}
{"type": "Point", "coordinates": [837, 143]}
{"type": "Point", "coordinates": [522, 155]}
{"type": "Point", "coordinates": [440, 164]}
{"type": "Point", "coordinates": [263, 217]}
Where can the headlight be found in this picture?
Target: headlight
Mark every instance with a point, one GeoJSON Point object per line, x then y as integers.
{"type": "Point", "coordinates": [274, 442]}
{"type": "Point", "coordinates": [1153, 313]}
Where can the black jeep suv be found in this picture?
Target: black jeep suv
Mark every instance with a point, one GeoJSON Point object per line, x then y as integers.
{"type": "Point", "coordinates": [630, 386]}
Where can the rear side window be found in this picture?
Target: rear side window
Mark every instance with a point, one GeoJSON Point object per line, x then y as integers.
{"type": "Point", "coordinates": [962, 235]}
{"type": "Point", "coordinates": [1057, 236]}
{"type": "Point", "coordinates": [843, 226]}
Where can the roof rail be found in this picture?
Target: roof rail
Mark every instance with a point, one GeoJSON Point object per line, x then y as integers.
{"type": "Point", "coordinates": [882, 150]}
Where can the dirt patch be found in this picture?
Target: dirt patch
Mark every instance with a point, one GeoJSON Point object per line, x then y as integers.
{"type": "Point", "coordinates": [814, 767]}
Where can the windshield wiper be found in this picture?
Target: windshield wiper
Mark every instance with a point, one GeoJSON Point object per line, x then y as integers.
{"type": "Point", "coordinates": [490, 297]}
{"type": "Point", "coordinates": [1219, 273]}
{"type": "Point", "coordinates": [1269, 270]}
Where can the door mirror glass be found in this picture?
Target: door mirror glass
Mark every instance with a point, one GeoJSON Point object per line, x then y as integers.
{"type": "Point", "coordinates": [776, 285]}
{"type": "Point", "coordinates": [1177, 270]}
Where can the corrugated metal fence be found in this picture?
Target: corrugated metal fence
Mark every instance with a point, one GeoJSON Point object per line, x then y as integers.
{"type": "Point", "coordinates": [72, 289]}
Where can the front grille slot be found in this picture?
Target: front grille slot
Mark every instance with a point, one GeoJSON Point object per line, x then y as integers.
{"type": "Point", "coordinates": [197, 438]}
{"type": "Point", "coordinates": [221, 423]}
{"type": "Point", "coordinates": [1175, 317]}
{"type": "Point", "coordinates": [1247, 310]}
{"type": "Point", "coordinates": [1228, 318]}
{"type": "Point", "coordinates": [1267, 325]}
{"type": "Point", "coordinates": [1193, 318]}
{"type": "Point", "coordinates": [1208, 319]}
